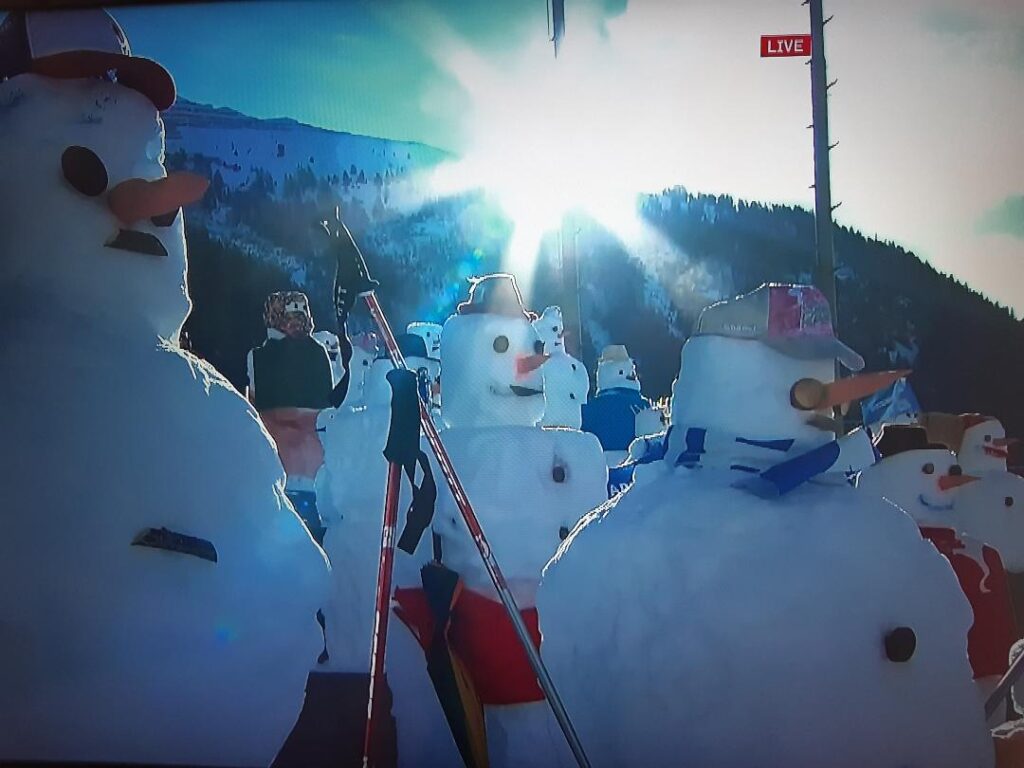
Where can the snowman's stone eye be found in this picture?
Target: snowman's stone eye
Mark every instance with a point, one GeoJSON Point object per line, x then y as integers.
{"type": "Point", "coordinates": [1008, 501]}
{"type": "Point", "coordinates": [622, 372]}
{"type": "Point", "coordinates": [572, 395]}
{"type": "Point", "coordinates": [501, 344]}
{"type": "Point", "coordinates": [988, 438]}
{"type": "Point", "coordinates": [956, 470]}
{"type": "Point", "coordinates": [84, 171]}
{"type": "Point", "coordinates": [563, 533]}
{"type": "Point", "coordinates": [900, 644]}
{"type": "Point", "coordinates": [554, 328]}
{"type": "Point", "coordinates": [366, 363]}
{"type": "Point", "coordinates": [928, 468]}
{"type": "Point", "coordinates": [558, 473]}
{"type": "Point", "coordinates": [574, 366]}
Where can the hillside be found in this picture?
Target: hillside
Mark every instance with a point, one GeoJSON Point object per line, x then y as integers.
{"type": "Point", "coordinates": [272, 179]}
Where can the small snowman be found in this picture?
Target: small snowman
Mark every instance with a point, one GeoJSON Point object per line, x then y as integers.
{"type": "Point", "coordinates": [329, 341]}
{"type": "Point", "coordinates": [925, 480]}
{"type": "Point", "coordinates": [159, 592]}
{"type": "Point", "coordinates": [528, 487]}
{"type": "Point", "coordinates": [613, 412]}
{"type": "Point", "coordinates": [566, 381]}
{"type": "Point", "coordinates": [980, 442]}
{"type": "Point", "coordinates": [431, 335]}
{"type": "Point", "coordinates": [749, 567]}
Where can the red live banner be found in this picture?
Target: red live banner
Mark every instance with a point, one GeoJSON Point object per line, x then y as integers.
{"type": "Point", "coordinates": [785, 45]}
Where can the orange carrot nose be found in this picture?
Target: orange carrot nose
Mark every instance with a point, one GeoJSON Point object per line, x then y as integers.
{"type": "Point", "coordinates": [137, 199]}
{"type": "Point", "coordinates": [813, 395]}
{"type": "Point", "coordinates": [949, 482]}
{"type": "Point", "coordinates": [1004, 442]}
{"type": "Point", "coordinates": [528, 363]}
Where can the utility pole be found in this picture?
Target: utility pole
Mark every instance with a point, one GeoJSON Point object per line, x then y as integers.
{"type": "Point", "coordinates": [826, 263]}
{"type": "Point", "coordinates": [825, 268]}
{"type": "Point", "coordinates": [572, 315]}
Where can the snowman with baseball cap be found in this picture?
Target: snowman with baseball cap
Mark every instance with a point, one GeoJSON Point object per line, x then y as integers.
{"type": "Point", "coordinates": [745, 565]}
{"type": "Point", "coordinates": [159, 592]}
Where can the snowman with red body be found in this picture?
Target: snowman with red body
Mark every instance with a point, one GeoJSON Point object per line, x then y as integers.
{"type": "Point", "coordinates": [925, 480]}
{"type": "Point", "coordinates": [566, 381]}
{"type": "Point", "coordinates": [528, 487]}
{"type": "Point", "coordinates": [160, 593]}
{"type": "Point", "coordinates": [747, 568]}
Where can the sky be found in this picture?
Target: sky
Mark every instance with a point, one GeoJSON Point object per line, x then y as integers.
{"type": "Point", "coordinates": [928, 108]}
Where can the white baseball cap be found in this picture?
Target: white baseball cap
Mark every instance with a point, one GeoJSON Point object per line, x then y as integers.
{"type": "Point", "coordinates": [79, 44]}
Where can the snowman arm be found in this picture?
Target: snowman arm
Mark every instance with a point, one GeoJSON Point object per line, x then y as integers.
{"type": "Point", "coordinates": [250, 389]}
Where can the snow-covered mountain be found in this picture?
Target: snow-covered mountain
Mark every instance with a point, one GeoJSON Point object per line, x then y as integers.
{"type": "Point", "coordinates": [272, 180]}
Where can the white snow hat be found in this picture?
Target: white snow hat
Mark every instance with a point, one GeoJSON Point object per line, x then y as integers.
{"type": "Point", "coordinates": [794, 319]}
{"type": "Point", "coordinates": [79, 44]}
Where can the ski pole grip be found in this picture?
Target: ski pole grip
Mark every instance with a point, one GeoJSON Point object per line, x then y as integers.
{"type": "Point", "coordinates": [403, 446]}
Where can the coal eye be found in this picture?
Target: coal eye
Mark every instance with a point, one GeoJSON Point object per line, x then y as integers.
{"type": "Point", "coordinates": [574, 366]}
{"type": "Point", "coordinates": [572, 395]}
{"type": "Point", "coordinates": [366, 363]}
{"type": "Point", "coordinates": [1008, 501]}
{"type": "Point", "coordinates": [501, 344]}
{"type": "Point", "coordinates": [563, 533]}
{"type": "Point", "coordinates": [538, 347]}
{"type": "Point", "coordinates": [988, 438]}
{"type": "Point", "coordinates": [928, 468]}
{"type": "Point", "coordinates": [84, 171]}
{"type": "Point", "coordinates": [955, 470]}
{"type": "Point", "coordinates": [558, 473]}
{"type": "Point", "coordinates": [166, 219]}
{"type": "Point", "coordinates": [554, 328]}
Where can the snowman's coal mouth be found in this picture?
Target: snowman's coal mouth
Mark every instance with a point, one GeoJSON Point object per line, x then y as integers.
{"type": "Point", "coordinates": [138, 242]}
{"type": "Point", "coordinates": [929, 505]}
{"type": "Point", "coordinates": [172, 541]}
{"type": "Point", "coordinates": [525, 391]}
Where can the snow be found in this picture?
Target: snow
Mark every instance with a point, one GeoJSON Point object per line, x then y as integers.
{"type": "Point", "coordinates": [990, 510]}
{"type": "Point", "coordinates": [550, 328]}
{"type": "Point", "coordinates": [566, 388]}
{"type": "Point", "coordinates": [431, 335]}
{"type": "Point", "coordinates": [617, 373]}
{"type": "Point", "coordinates": [329, 341]}
{"type": "Point", "coordinates": [115, 652]}
{"type": "Point", "coordinates": [983, 448]}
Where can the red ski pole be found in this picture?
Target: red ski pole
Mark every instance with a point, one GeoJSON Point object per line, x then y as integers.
{"type": "Point", "coordinates": [382, 603]}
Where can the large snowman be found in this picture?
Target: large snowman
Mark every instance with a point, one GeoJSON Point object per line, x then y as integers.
{"type": "Point", "coordinates": [159, 593]}
{"type": "Point", "coordinates": [566, 381]}
{"type": "Point", "coordinates": [528, 487]}
{"type": "Point", "coordinates": [746, 606]}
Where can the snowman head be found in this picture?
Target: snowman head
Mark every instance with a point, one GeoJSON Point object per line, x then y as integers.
{"type": "Point", "coordinates": [431, 335]}
{"type": "Point", "coordinates": [921, 478]}
{"type": "Point", "coordinates": [329, 342]}
{"type": "Point", "coordinates": [377, 388]}
{"type": "Point", "coordinates": [93, 223]}
{"type": "Point", "coordinates": [762, 365]}
{"type": "Point", "coordinates": [984, 446]}
{"type": "Point", "coordinates": [616, 369]}
{"type": "Point", "coordinates": [492, 359]}
{"type": "Point", "coordinates": [992, 511]}
{"type": "Point", "coordinates": [364, 352]}
{"type": "Point", "coordinates": [551, 330]}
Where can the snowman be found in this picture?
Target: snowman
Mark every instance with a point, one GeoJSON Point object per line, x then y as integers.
{"type": "Point", "coordinates": [329, 341]}
{"type": "Point", "coordinates": [749, 569]}
{"type": "Point", "coordinates": [612, 414]}
{"type": "Point", "coordinates": [364, 352]}
{"type": "Point", "coordinates": [925, 480]}
{"type": "Point", "coordinates": [566, 381]}
{"type": "Point", "coordinates": [980, 442]}
{"type": "Point", "coordinates": [159, 592]}
{"type": "Point", "coordinates": [528, 487]}
{"type": "Point", "coordinates": [431, 335]}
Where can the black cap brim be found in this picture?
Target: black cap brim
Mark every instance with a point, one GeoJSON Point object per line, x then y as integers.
{"type": "Point", "coordinates": [136, 72]}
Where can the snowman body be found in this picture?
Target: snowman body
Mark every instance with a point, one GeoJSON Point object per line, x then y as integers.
{"type": "Point", "coordinates": [160, 592]}
{"type": "Point", "coordinates": [695, 587]}
{"type": "Point", "coordinates": [566, 390]}
{"type": "Point", "coordinates": [528, 486]}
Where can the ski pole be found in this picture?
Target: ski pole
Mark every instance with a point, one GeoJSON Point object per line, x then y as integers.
{"type": "Point", "coordinates": [480, 540]}
{"type": "Point", "coordinates": [401, 440]}
{"type": "Point", "coordinates": [382, 607]}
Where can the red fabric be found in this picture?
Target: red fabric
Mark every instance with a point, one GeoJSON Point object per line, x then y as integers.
{"type": "Point", "coordinates": [993, 631]}
{"type": "Point", "coordinates": [483, 638]}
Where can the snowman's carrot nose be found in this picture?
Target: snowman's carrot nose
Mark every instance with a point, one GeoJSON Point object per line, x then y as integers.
{"type": "Point", "coordinates": [813, 395]}
{"type": "Point", "coordinates": [137, 199]}
{"type": "Point", "coordinates": [948, 482]}
{"type": "Point", "coordinates": [1004, 442]}
{"type": "Point", "coordinates": [528, 363]}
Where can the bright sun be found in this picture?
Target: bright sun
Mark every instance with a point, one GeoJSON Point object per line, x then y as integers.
{"type": "Point", "coordinates": [548, 137]}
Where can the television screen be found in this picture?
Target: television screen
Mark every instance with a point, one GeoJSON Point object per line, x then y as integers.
{"type": "Point", "coordinates": [433, 383]}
